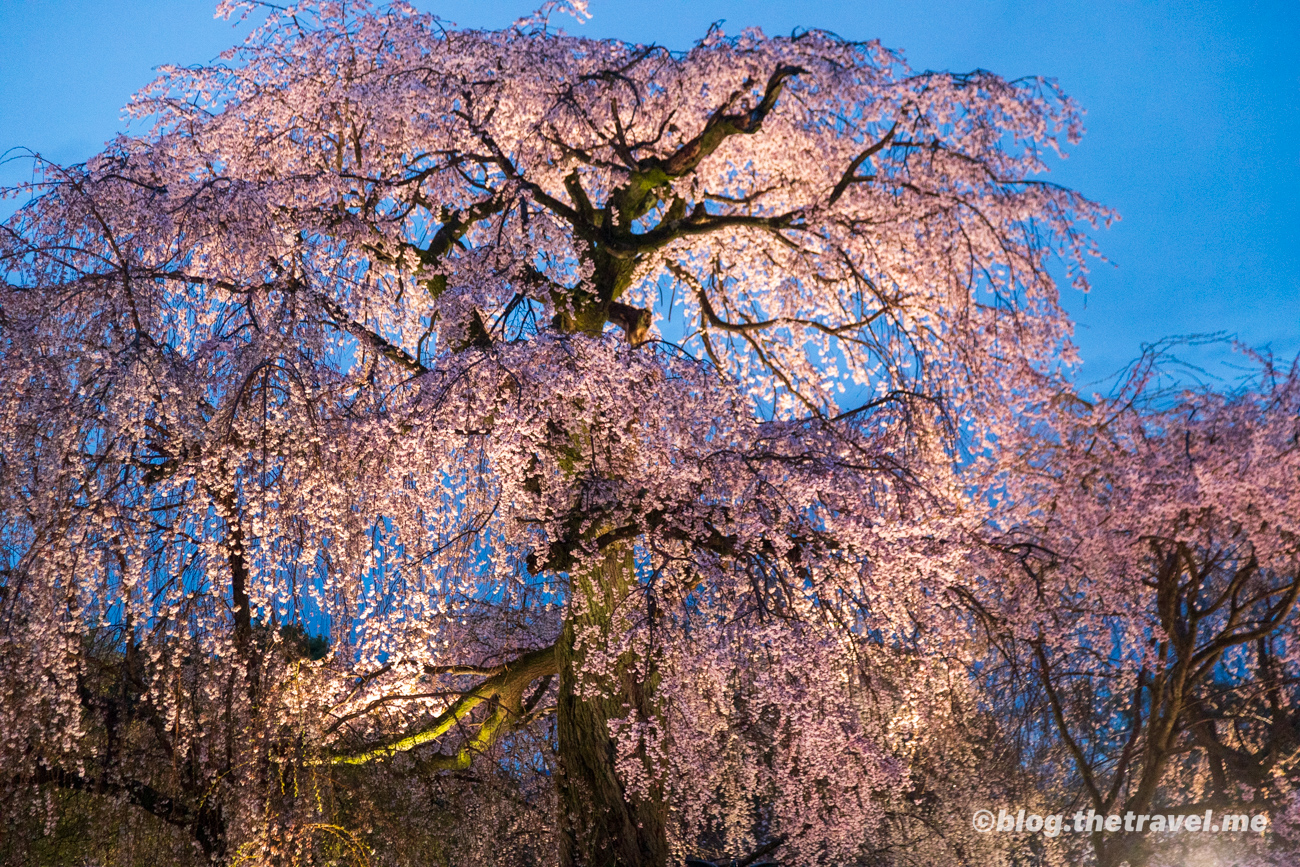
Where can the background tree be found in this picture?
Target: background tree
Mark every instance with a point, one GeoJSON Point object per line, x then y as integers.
{"type": "Point", "coordinates": [319, 452]}
{"type": "Point", "coordinates": [1146, 615]}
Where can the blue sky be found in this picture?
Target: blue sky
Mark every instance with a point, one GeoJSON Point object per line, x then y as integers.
{"type": "Point", "coordinates": [1193, 122]}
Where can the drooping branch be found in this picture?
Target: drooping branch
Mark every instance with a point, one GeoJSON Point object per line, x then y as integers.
{"type": "Point", "coordinates": [367, 335]}
{"type": "Point", "coordinates": [333, 310]}
{"type": "Point", "coordinates": [851, 175]}
{"type": "Point", "coordinates": [503, 691]}
{"type": "Point", "coordinates": [1063, 726]}
{"type": "Point", "coordinates": [203, 823]}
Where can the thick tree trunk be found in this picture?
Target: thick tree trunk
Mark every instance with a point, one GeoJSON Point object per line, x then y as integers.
{"type": "Point", "coordinates": [601, 824]}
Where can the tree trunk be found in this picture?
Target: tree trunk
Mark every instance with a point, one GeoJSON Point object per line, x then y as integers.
{"type": "Point", "coordinates": [601, 824]}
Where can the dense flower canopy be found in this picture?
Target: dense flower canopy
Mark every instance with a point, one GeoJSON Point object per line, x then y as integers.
{"type": "Point", "coordinates": [607, 420]}
{"type": "Point", "coordinates": [1148, 595]}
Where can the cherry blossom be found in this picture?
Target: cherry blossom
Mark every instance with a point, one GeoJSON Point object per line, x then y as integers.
{"type": "Point", "coordinates": [586, 430]}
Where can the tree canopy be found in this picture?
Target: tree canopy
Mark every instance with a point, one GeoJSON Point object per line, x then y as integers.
{"type": "Point", "coordinates": [533, 448]}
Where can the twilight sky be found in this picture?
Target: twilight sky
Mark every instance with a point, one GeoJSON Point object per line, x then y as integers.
{"type": "Point", "coordinates": [1193, 122]}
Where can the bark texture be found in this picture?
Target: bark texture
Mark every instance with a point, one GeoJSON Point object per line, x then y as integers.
{"type": "Point", "coordinates": [601, 823]}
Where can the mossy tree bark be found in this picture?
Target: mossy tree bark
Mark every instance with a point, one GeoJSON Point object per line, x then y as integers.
{"type": "Point", "coordinates": [601, 823]}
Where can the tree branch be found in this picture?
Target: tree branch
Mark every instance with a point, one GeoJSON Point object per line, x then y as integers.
{"type": "Point", "coordinates": [504, 690]}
